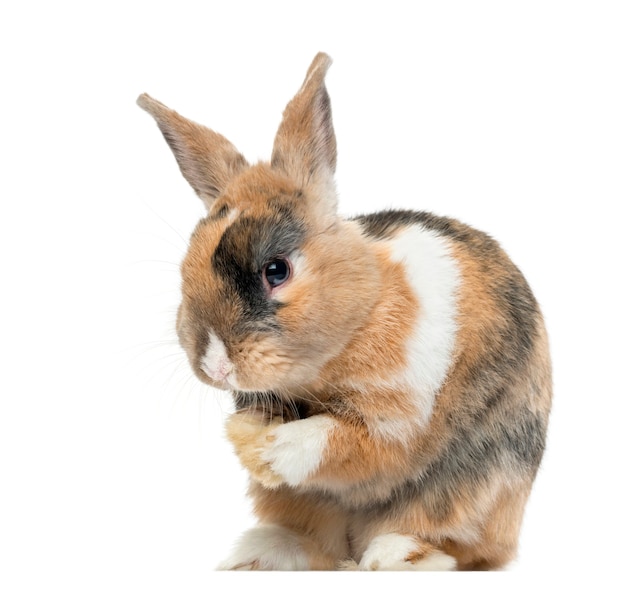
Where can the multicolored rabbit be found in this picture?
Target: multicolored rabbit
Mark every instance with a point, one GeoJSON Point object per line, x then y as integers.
{"type": "Point", "coordinates": [390, 372]}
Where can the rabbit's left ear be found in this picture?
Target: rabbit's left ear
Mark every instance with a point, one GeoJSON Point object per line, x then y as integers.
{"type": "Point", "coordinates": [305, 147]}
{"type": "Point", "coordinates": [206, 159]}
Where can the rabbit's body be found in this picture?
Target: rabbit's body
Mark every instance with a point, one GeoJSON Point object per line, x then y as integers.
{"type": "Point", "coordinates": [391, 372]}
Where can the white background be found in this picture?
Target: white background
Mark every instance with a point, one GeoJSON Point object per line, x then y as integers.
{"type": "Point", "coordinates": [114, 475]}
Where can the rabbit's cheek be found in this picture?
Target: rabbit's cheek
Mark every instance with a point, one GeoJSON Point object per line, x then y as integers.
{"type": "Point", "coordinates": [260, 364]}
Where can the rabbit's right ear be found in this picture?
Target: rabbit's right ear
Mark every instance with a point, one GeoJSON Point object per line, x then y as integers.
{"type": "Point", "coordinates": [206, 159]}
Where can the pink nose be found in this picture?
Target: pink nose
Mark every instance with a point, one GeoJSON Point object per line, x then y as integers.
{"type": "Point", "coordinates": [219, 369]}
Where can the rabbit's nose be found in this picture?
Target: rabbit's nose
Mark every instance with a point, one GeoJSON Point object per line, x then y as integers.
{"type": "Point", "coordinates": [215, 362]}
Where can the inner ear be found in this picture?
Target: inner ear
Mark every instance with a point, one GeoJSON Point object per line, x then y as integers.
{"type": "Point", "coordinates": [305, 147]}
{"type": "Point", "coordinates": [207, 160]}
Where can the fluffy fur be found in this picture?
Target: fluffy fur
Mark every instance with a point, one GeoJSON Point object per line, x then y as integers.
{"type": "Point", "coordinates": [393, 393]}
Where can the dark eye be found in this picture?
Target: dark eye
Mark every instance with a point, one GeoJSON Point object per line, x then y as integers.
{"type": "Point", "coordinates": [277, 272]}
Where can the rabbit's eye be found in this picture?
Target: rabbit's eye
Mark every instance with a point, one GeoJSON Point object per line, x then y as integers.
{"type": "Point", "coordinates": [277, 272]}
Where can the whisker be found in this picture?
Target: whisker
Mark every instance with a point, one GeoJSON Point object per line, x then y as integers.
{"type": "Point", "coordinates": [178, 234]}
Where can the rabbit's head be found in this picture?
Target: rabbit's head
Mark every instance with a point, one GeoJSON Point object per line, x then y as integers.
{"type": "Point", "coordinates": [274, 282]}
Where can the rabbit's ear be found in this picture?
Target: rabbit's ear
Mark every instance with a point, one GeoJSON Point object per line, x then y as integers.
{"type": "Point", "coordinates": [305, 146]}
{"type": "Point", "coordinates": [207, 159]}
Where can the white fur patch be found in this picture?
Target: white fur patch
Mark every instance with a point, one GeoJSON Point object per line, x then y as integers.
{"type": "Point", "coordinates": [232, 215]}
{"type": "Point", "coordinates": [434, 277]}
{"type": "Point", "coordinates": [389, 552]}
{"type": "Point", "coordinates": [267, 547]}
{"type": "Point", "coordinates": [298, 447]}
{"type": "Point", "coordinates": [215, 362]}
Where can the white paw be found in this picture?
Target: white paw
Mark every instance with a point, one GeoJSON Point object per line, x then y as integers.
{"type": "Point", "coordinates": [400, 552]}
{"type": "Point", "coordinates": [436, 561]}
{"type": "Point", "coordinates": [268, 547]}
{"type": "Point", "coordinates": [297, 448]}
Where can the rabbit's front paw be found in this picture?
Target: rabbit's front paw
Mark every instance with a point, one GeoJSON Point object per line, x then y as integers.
{"type": "Point", "coordinates": [279, 452]}
{"type": "Point", "coordinates": [251, 436]}
{"type": "Point", "coordinates": [298, 447]}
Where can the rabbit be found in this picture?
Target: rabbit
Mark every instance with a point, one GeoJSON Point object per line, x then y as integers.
{"type": "Point", "coordinates": [390, 372]}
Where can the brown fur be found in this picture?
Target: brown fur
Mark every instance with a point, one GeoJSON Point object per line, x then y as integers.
{"type": "Point", "coordinates": [325, 353]}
